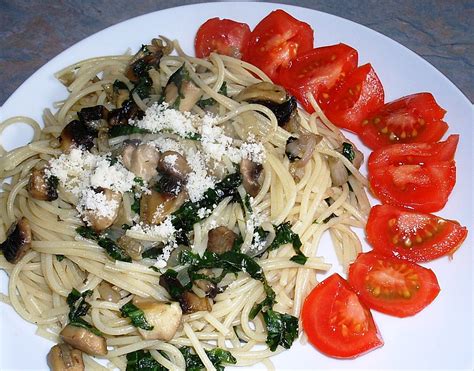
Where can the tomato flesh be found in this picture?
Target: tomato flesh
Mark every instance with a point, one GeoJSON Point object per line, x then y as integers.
{"type": "Point", "coordinates": [391, 285]}
{"type": "Point", "coordinates": [414, 118]}
{"type": "Point", "coordinates": [336, 322]}
{"type": "Point", "coordinates": [317, 71]}
{"type": "Point", "coordinates": [412, 235]}
{"type": "Point", "coordinates": [223, 36]}
{"type": "Point", "coordinates": [348, 104]}
{"type": "Point", "coordinates": [276, 40]}
{"type": "Point", "coordinates": [419, 176]}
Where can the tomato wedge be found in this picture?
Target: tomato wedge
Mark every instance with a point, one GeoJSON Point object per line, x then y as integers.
{"type": "Point", "coordinates": [414, 118]}
{"type": "Point", "coordinates": [391, 285]}
{"type": "Point", "coordinates": [336, 322]}
{"type": "Point", "coordinates": [412, 235]}
{"type": "Point", "coordinates": [317, 71]}
{"type": "Point", "coordinates": [276, 40]}
{"type": "Point", "coordinates": [361, 93]}
{"type": "Point", "coordinates": [419, 176]}
{"type": "Point", "coordinates": [222, 36]}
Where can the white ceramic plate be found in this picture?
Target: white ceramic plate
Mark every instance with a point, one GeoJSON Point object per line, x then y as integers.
{"type": "Point", "coordinates": [440, 337]}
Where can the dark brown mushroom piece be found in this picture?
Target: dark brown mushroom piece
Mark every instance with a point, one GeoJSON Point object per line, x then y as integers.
{"type": "Point", "coordinates": [272, 96]}
{"type": "Point", "coordinates": [95, 113]}
{"type": "Point", "coordinates": [156, 206]}
{"type": "Point", "coordinates": [142, 160]}
{"type": "Point", "coordinates": [250, 174]}
{"type": "Point", "coordinates": [220, 240]}
{"type": "Point", "coordinates": [191, 303]}
{"type": "Point", "coordinates": [128, 111]}
{"type": "Point", "coordinates": [62, 357]}
{"type": "Point", "coordinates": [84, 339]}
{"type": "Point", "coordinates": [18, 241]}
{"type": "Point", "coordinates": [77, 134]}
{"type": "Point", "coordinates": [41, 187]}
{"type": "Point", "coordinates": [181, 92]}
{"type": "Point", "coordinates": [174, 164]}
{"type": "Point", "coordinates": [148, 56]}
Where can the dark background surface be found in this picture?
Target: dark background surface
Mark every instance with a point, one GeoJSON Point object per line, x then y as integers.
{"type": "Point", "coordinates": [33, 32]}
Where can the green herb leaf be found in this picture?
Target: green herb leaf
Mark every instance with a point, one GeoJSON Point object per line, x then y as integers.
{"type": "Point", "coordinates": [152, 253]}
{"type": "Point", "coordinates": [193, 362]}
{"type": "Point", "coordinates": [282, 329]}
{"type": "Point", "coordinates": [135, 206]}
{"type": "Point", "coordinates": [60, 257]}
{"type": "Point", "coordinates": [348, 151]}
{"type": "Point", "coordinates": [217, 356]}
{"type": "Point", "coordinates": [113, 250]}
{"type": "Point", "coordinates": [299, 259]}
{"type": "Point", "coordinates": [77, 303]}
{"type": "Point", "coordinates": [143, 86]}
{"type": "Point", "coordinates": [284, 235]}
{"type": "Point", "coordinates": [136, 315]}
{"type": "Point", "coordinates": [126, 129]}
{"type": "Point", "coordinates": [87, 232]}
{"type": "Point", "coordinates": [265, 304]}
{"type": "Point", "coordinates": [142, 360]}
{"type": "Point", "coordinates": [170, 283]}
{"type": "Point", "coordinates": [79, 322]}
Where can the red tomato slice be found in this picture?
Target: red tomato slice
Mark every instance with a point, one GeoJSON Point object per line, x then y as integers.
{"type": "Point", "coordinates": [317, 71]}
{"type": "Point", "coordinates": [336, 322]}
{"type": "Point", "coordinates": [414, 118]}
{"type": "Point", "coordinates": [411, 235]}
{"type": "Point", "coordinates": [276, 40]}
{"type": "Point", "coordinates": [419, 176]}
{"type": "Point", "coordinates": [361, 93]}
{"type": "Point", "coordinates": [391, 285]}
{"type": "Point", "coordinates": [222, 36]}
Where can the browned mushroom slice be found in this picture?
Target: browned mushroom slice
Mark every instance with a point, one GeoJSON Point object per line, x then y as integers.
{"type": "Point", "coordinates": [100, 222]}
{"type": "Point", "coordinates": [128, 111]}
{"type": "Point", "coordinates": [156, 206]}
{"type": "Point", "coordinates": [148, 56]}
{"type": "Point", "coordinates": [84, 339]}
{"type": "Point", "coordinates": [62, 357]}
{"type": "Point", "coordinates": [210, 289]}
{"type": "Point", "coordinates": [220, 240]}
{"type": "Point", "coordinates": [180, 91]}
{"type": "Point", "coordinates": [272, 96]}
{"type": "Point", "coordinates": [18, 241]}
{"type": "Point", "coordinates": [191, 303]}
{"type": "Point", "coordinates": [164, 317]}
{"type": "Point", "coordinates": [90, 114]}
{"type": "Point", "coordinates": [77, 134]}
{"type": "Point", "coordinates": [250, 174]}
{"type": "Point", "coordinates": [174, 164]}
{"type": "Point", "coordinates": [41, 187]}
{"type": "Point", "coordinates": [141, 160]}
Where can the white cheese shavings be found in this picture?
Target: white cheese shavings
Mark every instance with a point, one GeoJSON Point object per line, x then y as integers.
{"type": "Point", "coordinates": [115, 177]}
{"type": "Point", "coordinates": [165, 231]}
{"type": "Point", "coordinates": [254, 152]}
{"type": "Point", "coordinates": [198, 181]}
{"type": "Point", "coordinates": [162, 259]}
{"type": "Point", "coordinates": [160, 118]}
{"type": "Point", "coordinates": [96, 203]}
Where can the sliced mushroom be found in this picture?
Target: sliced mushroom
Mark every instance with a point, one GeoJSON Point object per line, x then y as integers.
{"type": "Point", "coordinates": [220, 240]}
{"type": "Point", "coordinates": [164, 317]}
{"type": "Point", "coordinates": [84, 339]}
{"type": "Point", "coordinates": [191, 303]}
{"type": "Point", "coordinates": [62, 357]}
{"type": "Point", "coordinates": [77, 134]}
{"type": "Point", "coordinates": [95, 113]}
{"type": "Point", "coordinates": [41, 187]}
{"type": "Point", "coordinates": [174, 164]}
{"type": "Point", "coordinates": [147, 57]}
{"type": "Point", "coordinates": [339, 173]}
{"type": "Point", "coordinates": [18, 241]}
{"type": "Point", "coordinates": [156, 206]}
{"type": "Point", "coordinates": [108, 293]}
{"type": "Point", "coordinates": [210, 289]}
{"type": "Point", "coordinates": [100, 222]}
{"type": "Point", "coordinates": [141, 160]}
{"type": "Point", "coordinates": [180, 91]}
{"type": "Point", "coordinates": [300, 150]}
{"type": "Point", "coordinates": [272, 96]}
{"type": "Point", "coordinates": [250, 174]}
{"type": "Point", "coordinates": [127, 111]}
{"type": "Point", "coordinates": [131, 246]}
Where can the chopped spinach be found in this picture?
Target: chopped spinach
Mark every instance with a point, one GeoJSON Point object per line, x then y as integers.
{"type": "Point", "coordinates": [141, 360]}
{"type": "Point", "coordinates": [203, 103]}
{"type": "Point", "coordinates": [217, 356]}
{"type": "Point", "coordinates": [139, 181]}
{"type": "Point", "coordinates": [60, 257]}
{"type": "Point", "coordinates": [78, 306]}
{"type": "Point", "coordinates": [348, 151]}
{"type": "Point", "coordinates": [135, 206]}
{"type": "Point", "coordinates": [284, 235]}
{"type": "Point", "coordinates": [143, 87]}
{"type": "Point", "coordinates": [299, 259]}
{"type": "Point", "coordinates": [152, 253]}
{"type": "Point", "coordinates": [265, 304]}
{"type": "Point", "coordinates": [79, 322]}
{"type": "Point", "coordinates": [136, 315]}
{"type": "Point", "coordinates": [282, 329]}
{"type": "Point", "coordinates": [125, 129]}
{"type": "Point", "coordinates": [169, 281]}
{"type": "Point", "coordinates": [109, 245]}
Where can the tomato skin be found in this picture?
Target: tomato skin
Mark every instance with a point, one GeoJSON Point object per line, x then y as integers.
{"type": "Point", "coordinates": [360, 94]}
{"type": "Point", "coordinates": [317, 71]}
{"type": "Point", "coordinates": [276, 40]}
{"type": "Point", "coordinates": [412, 235]}
{"type": "Point", "coordinates": [418, 176]}
{"type": "Point", "coordinates": [391, 285]}
{"type": "Point", "coordinates": [329, 330]}
{"type": "Point", "coordinates": [414, 118]}
{"type": "Point", "coordinates": [222, 36]}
